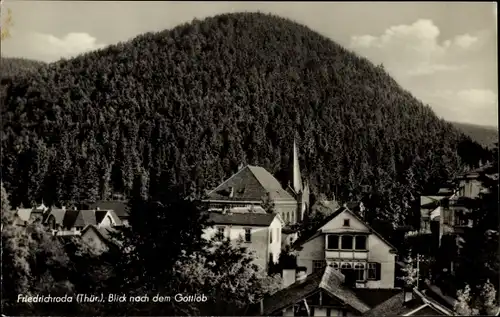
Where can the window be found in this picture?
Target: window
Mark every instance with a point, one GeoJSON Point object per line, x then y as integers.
{"type": "Point", "coordinates": [332, 241]}
{"type": "Point", "coordinates": [248, 235]}
{"type": "Point", "coordinates": [347, 223]}
{"type": "Point", "coordinates": [270, 235]}
{"type": "Point", "coordinates": [360, 242]}
{"type": "Point", "coordinates": [318, 265]}
{"type": "Point", "coordinates": [335, 265]}
{"type": "Point", "coordinates": [221, 230]}
{"type": "Point", "coordinates": [287, 217]}
{"type": "Point", "coordinates": [346, 243]}
{"type": "Point", "coordinates": [373, 271]}
{"type": "Point", "coordinates": [359, 269]}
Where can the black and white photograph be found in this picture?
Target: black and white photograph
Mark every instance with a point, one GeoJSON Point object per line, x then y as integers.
{"type": "Point", "coordinates": [211, 158]}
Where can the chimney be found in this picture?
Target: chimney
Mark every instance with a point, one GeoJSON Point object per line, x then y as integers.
{"type": "Point", "coordinates": [288, 277]}
{"type": "Point", "coordinates": [301, 274]}
{"type": "Point", "coordinates": [407, 295]}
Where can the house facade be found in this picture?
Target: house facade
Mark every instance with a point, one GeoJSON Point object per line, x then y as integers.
{"type": "Point", "coordinates": [72, 222]}
{"type": "Point", "coordinates": [254, 186]}
{"type": "Point", "coordinates": [97, 237]}
{"type": "Point", "coordinates": [349, 245]}
{"type": "Point", "coordinates": [258, 231]}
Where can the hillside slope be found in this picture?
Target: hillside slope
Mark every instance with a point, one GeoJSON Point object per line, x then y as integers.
{"type": "Point", "coordinates": [15, 67]}
{"type": "Point", "coordinates": [185, 107]}
{"type": "Point", "coordinates": [486, 136]}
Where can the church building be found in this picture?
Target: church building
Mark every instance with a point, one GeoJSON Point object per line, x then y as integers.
{"type": "Point", "coordinates": [253, 189]}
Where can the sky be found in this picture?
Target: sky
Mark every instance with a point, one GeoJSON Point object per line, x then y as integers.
{"type": "Point", "coordinates": [444, 53]}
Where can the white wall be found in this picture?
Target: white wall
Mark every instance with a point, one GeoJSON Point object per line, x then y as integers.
{"type": "Point", "coordinates": [378, 250]}
{"type": "Point", "coordinates": [260, 242]}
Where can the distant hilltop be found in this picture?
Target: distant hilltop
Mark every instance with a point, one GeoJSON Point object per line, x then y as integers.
{"type": "Point", "coordinates": [183, 108]}
{"type": "Point", "coordinates": [487, 136]}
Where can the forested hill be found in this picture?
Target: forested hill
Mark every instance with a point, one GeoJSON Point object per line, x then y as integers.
{"type": "Point", "coordinates": [15, 67]}
{"type": "Point", "coordinates": [185, 107]}
{"type": "Point", "coordinates": [12, 67]}
{"type": "Point", "coordinates": [484, 135]}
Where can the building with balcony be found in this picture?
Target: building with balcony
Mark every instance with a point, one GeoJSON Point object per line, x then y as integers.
{"type": "Point", "coordinates": [347, 243]}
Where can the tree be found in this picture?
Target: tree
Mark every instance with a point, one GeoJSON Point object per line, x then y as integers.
{"type": "Point", "coordinates": [6, 22]}
{"type": "Point", "coordinates": [33, 262]}
{"type": "Point", "coordinates": [481, 302]}
{"type": "Point", "coordinates": [226, 275]}
{"type": "Point", "coordinates": [194, 265]}
{"type": "Point", "coordinates": [463, 304]}
{"type": "Point", "coordinates": [410, 277]}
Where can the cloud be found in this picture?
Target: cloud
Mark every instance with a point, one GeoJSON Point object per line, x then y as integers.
{"type": "Point", "coordinates": [70, 45]}
{"type": "Point", "coordinates": [415, 49]}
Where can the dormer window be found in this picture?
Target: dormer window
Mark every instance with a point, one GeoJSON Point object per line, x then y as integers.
{"type": "Point", "coordinates": [347, 223]}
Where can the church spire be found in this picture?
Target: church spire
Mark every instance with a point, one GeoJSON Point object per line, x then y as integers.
{"type": "Point", "coordinates": [296, 177]}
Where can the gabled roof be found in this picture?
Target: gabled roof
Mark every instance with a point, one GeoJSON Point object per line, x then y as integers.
{"type": "Point", "coordinates": [429, 201]}
{"type": "Point", "coordinates": [103, 233]}
{"type": "Point", "coordinates": [79, 218]}
{"type": "Point", "coordinates": [329, 280]}
{"type": "Point", "coordinates": [420, 305]}
{"type": "Point", "coordinates": [251, 183]}
{"type": "Point", "coordinates": [317, 231]}
{"type": "Point", "coordinates": [24, 213]}
{"type": "Point", "coordinates": [58, 215]}
{"type": "Point", "coordinates": [118, 206]}
{"type": "Point", "coordinates": [242, 219]}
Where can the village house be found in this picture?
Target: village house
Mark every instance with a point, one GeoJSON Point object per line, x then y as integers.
{"type": "Point", "coordinates": [119, 207]}
{"type": "Point", "coordinates": [254, 186]}
{"type": "Point", "coordinates": [322, 293]}
{"type": "Point", "coordinates": [410, 302]}
{"type": "Point", "coordinates": [72, 222]}
{"type": "Point", "coordinates": [98, 237]}
{"type": "Point", "coordinates": [258, 231]}
{"type": "Point", "coordinates": [347, 243]}
{"type": "Point", "coordinates": [25, 216]}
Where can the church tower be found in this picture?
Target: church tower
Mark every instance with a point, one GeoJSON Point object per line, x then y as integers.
{"type": "Point", "coordinates": [298, 188]}
{"type": "Point", "coordinates": [296, 177]}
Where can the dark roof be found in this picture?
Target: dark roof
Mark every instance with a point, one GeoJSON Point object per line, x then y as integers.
{"type": "Point", "coordinates": [394, 306]}
{"type": "Point", "coordinates": [251, 183]}
{"type": "Point", "coordinates": [375, 296]}
{"type": "Point", "coordinates": [420, 305]}
{"type": "Point", "coordinates": [99, 215]}
{"type": "Point", "coordinates": [316, 232]}
{"type": "Point", "coordinates": [118, 206]}
{"type": "Point", "coordinates": [329, 280]}
{"type": "Point", "coordinates": [79, 218]}
{"type": "Point", "coordinates": [244, 219]}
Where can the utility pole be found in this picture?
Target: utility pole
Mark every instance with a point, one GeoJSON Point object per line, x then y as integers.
{"type": "Point", "coordinates": [418, 268]}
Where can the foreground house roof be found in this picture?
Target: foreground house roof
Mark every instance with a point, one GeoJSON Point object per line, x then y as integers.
{"type": "Point", "coordinates": [329, 280]}
{"type": "Point", "coordinates": [251, 183]}
{"type": "Point", "coordinates": [242, 219]}
{"type": "Point", "coordinates": [420, 305]}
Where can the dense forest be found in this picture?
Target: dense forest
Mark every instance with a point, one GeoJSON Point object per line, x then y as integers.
{"type": "Point", "coordinates": [183, 108]}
